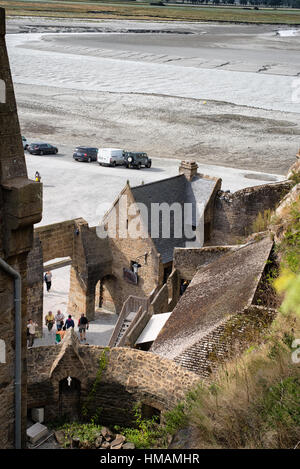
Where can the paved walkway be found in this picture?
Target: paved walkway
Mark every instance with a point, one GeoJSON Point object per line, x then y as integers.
{"type": "Point", "coordinates": [99, 331]}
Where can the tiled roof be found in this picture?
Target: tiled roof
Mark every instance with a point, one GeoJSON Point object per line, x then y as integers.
{"type": "Point", "coordinates": [218, 290]}
{"type": "Point", "coordinates": [178, 190]}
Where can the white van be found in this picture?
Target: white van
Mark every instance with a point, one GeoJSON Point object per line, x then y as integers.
{"type": "Point", "coordinates": [110, 157]}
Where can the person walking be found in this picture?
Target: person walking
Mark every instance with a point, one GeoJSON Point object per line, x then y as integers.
{"type": "Point", "coordinates": [32, 327]}
{"type": "Point", "coordinates": [59, 319]}
{"type": "Point", "coordinates": [69, 322]}
{"type": "Point", "coordinates": [57, 337]}
{"type": "Point", "coordinates": [49, 320]}
{"type": "Point", "coordinates": [62, 333]}
{"type": "Point", "coordinates": [37, 177]}
{"type": "Point", "coordinates": [83, 325]}
{"type": "Point", "coordinates": [48, 279]}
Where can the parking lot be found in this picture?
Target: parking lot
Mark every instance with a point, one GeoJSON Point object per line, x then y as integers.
{"type": "Point", "coordinates": [78, 189]}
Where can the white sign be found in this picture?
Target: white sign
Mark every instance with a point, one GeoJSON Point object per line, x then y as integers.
{"type": "Point", "coordinates": [2, 351]}
{"type": "Point", "coordinates": [2, 92]}
{"type": "Point", "coordinates": [296, 354]}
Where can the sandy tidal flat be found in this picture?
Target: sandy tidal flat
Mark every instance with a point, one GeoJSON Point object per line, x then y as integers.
{"type": "Point", "coordinates": [221, 94]}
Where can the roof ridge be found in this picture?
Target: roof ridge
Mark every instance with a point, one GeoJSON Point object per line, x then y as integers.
{"type": "Point", "coordinates": [156, 182]}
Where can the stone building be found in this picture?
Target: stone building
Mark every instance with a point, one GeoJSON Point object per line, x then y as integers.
{"type": "Point", "coordinates": [110, 263]}
{"type": "Point", "coordinates": [20, 208]}
{"type": "Point", "coordinates": [147, 210]}
{"type": "Point", "coordinates": [127, 376]}
{"type": "Point", "coordinates": [206, 324]}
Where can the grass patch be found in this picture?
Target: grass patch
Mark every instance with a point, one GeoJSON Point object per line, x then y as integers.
{"type": "Point", "coordinates": [289, 247]}
{"type": "Point", "coordinates": [130, 10]}
{"type": "Point", "coordinates": [262, 221]}
{"type": "Point", "coordinates": [86, 432]}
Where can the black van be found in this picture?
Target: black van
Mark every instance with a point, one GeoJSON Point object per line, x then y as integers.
{"type": "Point", "coordinates": [136, 160]}
{"type": "Point", "coordinates": [85, 154]}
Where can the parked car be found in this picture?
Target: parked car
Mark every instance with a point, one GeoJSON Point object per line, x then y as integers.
{"type": "Point", "coordinates": [110, 157]}
{"type": "Point", "coordinates": [42, 149]}
{"type": "Point", "coordinates": [136, 160]}
{"type": "Point", "coordinates": [25, 142]}
{"type": "Point", "coordinates": [85, 154]}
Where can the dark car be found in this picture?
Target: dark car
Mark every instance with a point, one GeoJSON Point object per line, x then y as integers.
{"type": "Point", "coordinates": [85, 154]}
{"type": "Point", "coordinates": [136, 160]}
{"type": "Point", "coordinates": [42, 149]}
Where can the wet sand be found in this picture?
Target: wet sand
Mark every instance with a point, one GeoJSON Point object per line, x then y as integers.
{"type": "Point", "coordinates": [220, 94]}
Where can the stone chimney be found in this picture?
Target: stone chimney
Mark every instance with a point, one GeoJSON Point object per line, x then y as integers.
{"type": "Point", "coordinates": [188, 168]}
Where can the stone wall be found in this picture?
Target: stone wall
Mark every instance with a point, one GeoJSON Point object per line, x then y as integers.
{"type": "Point", "coordinates": [91, 260]}
{"type": "Point", "coordinates": [20, 208]}
{"type": "Point", "coordinates": [160, 303]}
{"type": "Point", "coordinates": [226, 340]}
{"type": "Point", "coordinates": [35, 283]}
{"type": "Point", "coordinates": [173, 283]}
{"type": "Point", "coordinates": [235, 213]}
{"type": "Point", "coordinates": [124, 250]}
{"type": "Point", "coordinates": [7, 367]}
{"type": "Point", "coordinates": [57, 239]}
{"type": "Point", "coordinates": [188, 260]}
{"type": "Point", "coordinates": [129, 376]}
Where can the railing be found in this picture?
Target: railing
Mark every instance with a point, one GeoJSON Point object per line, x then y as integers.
{"type": "Point", "coordinates": [132, 305]}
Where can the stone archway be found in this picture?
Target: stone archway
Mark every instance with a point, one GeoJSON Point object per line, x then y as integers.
{"type": "Point", "coordinates": [107, 293]}
{"type": "Point", "coordinates": [69, 398]}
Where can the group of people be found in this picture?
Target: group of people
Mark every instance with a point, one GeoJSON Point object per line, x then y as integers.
{"type": "Point", "coordinates": [62, 325]}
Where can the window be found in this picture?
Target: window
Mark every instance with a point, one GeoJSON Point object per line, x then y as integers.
{"type": "Point", "coordinates": [2, 351]}
{"type": "Point", "coordinates": [148, 412]}
{"type": "Point", "coordinates": [2, 92]}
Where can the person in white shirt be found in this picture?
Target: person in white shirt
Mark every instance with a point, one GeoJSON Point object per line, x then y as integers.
{"type": "Point", "coordinates": [31, 326]}
{"type": "Point", "coordinates": [59, 319]}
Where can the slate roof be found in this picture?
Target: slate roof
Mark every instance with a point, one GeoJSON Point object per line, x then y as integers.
{"type": "Point", "coordinates": [218, 290]}
{"type": "Point", "coordinates": [178, 190]}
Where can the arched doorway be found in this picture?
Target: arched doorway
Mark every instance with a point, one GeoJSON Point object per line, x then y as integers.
{"type": "Point", "coordinates": [69, 398]}
{"type": "Point", "coordinates": [107, 294]}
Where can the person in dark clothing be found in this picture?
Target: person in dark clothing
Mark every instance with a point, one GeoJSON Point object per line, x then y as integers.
{"type": "Point", "coordinates": [48, 280]}
{"type": "Point", "coordinates": [183, 287]}
{"type": "Point", "coordinates": [83, 325]}
{"type": "Point", "coordinates": [69, 322]}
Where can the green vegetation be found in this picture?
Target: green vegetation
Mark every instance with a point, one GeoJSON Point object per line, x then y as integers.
{"type": "Point", "coordinates": [261, 222]}
{"type": "Point", "coordinates": [289, 247]}
{"type": "Point", "coordinates": [85, 432]}
{"type": "Point", "coordinates": [103, 361]}
{"type": "Point", "coordinates": [146, 433]}
{"type": "Point", "coordinates": [147, 11]}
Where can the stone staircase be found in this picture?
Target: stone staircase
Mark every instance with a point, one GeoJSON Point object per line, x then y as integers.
{"type": "Point", "coordinates": [126, 324]}
{"type": "Point", "coordinates": [135, 309]}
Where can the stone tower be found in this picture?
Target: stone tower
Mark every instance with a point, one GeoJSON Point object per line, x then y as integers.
{"type": "Point", "coordinates": [20, 208]}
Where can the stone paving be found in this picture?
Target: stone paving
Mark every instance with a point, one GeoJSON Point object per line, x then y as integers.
{"type": "Point", "coordinates": [99, 331]}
